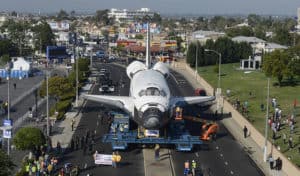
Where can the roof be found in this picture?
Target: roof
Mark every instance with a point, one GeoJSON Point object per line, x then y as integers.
{"type": "Point", "coordinates": [275, 46]}
{"type": "Point", "coordinates": [206, 33]}
{"type": "Point", "coordinates": [155, 48]}
{"type": "Point", "coordinates": [247, 39]}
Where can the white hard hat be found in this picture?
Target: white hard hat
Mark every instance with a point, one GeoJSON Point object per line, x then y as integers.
{"type": "Point", "coordinates": [193, 161]}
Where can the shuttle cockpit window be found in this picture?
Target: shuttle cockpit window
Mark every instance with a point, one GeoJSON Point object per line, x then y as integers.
{"type": "Point", "coordinates": [163, 93]}
{"type": "Point", "coordinates": [142, 93]}
{"type": "Point", "coordinates": [152, 91]}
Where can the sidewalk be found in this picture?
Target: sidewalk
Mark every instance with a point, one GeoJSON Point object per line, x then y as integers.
{"type": "Point", "coordinates": [63, 130]}
{"type": "Point", "coordinates": [250, 145]}
{"type": "Point", "coordinates": [64, 136]}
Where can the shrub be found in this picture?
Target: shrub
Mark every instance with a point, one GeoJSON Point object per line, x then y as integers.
{"type": "Point", "coordinates": [27, 138]}
{"type": "Point", "coordinates": [68, 96]}
{"type": "Point", "coordinates": [63, 105]}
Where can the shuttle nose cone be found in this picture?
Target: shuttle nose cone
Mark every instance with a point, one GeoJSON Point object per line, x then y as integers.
{"type": "Point", "coordinates": [152, 118]}
{"type": "Point", "coordinates": [151, 123]}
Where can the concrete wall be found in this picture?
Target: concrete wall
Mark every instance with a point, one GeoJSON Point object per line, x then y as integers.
{"type": "Point", "coordinates": [288, 167]}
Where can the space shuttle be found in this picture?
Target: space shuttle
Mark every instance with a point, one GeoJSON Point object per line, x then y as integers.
{"type": "Point", "coordinates": [149, 103]}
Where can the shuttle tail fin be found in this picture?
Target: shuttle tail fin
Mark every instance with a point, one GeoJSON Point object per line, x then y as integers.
{"type": "Point", "coordinates": [148, 51]}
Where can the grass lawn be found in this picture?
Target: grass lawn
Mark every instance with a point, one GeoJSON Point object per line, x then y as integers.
{"type": "Point", "coordinates": [241, 83]}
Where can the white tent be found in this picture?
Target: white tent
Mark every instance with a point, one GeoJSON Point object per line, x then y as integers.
{"type": "Point", "coordinates": [21, 64]}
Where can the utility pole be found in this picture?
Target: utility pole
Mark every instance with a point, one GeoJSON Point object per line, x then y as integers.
{"type": "Point", "coordinates": [266, 125]}
{"type": "Point", "coordinates": [47, 92]}
{"type": "Point", "coordinates": [76, 60]}
{"type": "Point", "coordinates": [8, 106]}
{"type": "Point", "coordinates": [219, 90]}
{"type": "Point", "coordinates": [196, 66]}
{"type": "Point", "coordinates": [91, 58]}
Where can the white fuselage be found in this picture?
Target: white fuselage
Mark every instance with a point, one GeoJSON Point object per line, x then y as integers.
{"type": "Point", "coordinates": [150, 90]}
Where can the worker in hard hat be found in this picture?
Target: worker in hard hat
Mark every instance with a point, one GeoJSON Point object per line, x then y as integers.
{"type": "Point", "coordinates": [178, 112]}
{"type": "Point", "coordinates": [186, 167]}
{"type": "Point", "coordinates": [194, 166]}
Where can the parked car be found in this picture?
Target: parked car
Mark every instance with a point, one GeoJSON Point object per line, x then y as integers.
{"type": "Point", "coordinates": [106, 88]}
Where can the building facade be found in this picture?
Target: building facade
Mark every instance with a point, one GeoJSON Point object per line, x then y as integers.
{"type": "Point", "coordinates": [129, 15]}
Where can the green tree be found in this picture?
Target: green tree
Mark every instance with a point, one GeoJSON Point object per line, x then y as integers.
{"type": "Point", "coordinates": [29, 137]}
{"type": "Point", "coordinates": [83, 65]}
{"type": "Point", "coordinates": [294, 64]}
{"type": "Point", "coordinates": [62, 15]}
{"type": "Point", "coordinates": [17, 33]}
{"type": "Point", "coordinates": [218, 23]}
{"type": "Point", "coordinates": [191, 54]}
{"type": "Point", "coordinates": [282, 36]}
{"type": "Point", "coordinates": [254, 20]}
{"type": "Point", "coordinates": [5, 59]}
{"type": "Point", "coordinates": [244, 31]}
{"type": "Point", "coordinates": [6, 165]}
{"type": "Point", "coordinates": [156, 18]}
{"type": "Point", "coordinates": [260, 32]}
{"type": "Point", "coordinates": [276, 64]}
{"type": "Point", "coordinates": [102, 17]}
{"type": "Point", "coordinates": [7, 48]}
{"type": "Point", "coordinates": [57, 87]}
{"type": "Point", "coordinates": [139, 36]}
{"type": "Point", "coordinates": [43, 36]}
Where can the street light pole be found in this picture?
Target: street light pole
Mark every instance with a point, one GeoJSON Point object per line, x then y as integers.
{"type": "Point", "coordinates": [219, 81]}
{"type": "Point", "coordinates": [196, 72]}
{"type": "Point", "coordinates": [219, 77]}
{"type": "Point", "coordinates": [220, 58]}
{"type": "Point", "coordinates": [91, 58]}
{"type": "Point", "coordinates": [8, 108]}
{"type": "Point", "coordinates": [76, 60]}
{"type": "Point", "coordinates": [47, 92]}
{"type": "Point", "coordinates": [266, 127]}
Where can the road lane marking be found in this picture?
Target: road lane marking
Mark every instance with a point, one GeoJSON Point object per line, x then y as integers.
{"type": "Point", "coordinates": [174, 78]}
{"type": "Point", "coordinates": [197, 154]}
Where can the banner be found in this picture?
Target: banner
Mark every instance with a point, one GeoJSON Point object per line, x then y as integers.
{"type": "Point", "coordinates": [103, 159]}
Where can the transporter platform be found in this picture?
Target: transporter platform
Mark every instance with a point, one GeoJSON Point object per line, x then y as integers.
{"type": "Point", "coordinates": [120, 135]}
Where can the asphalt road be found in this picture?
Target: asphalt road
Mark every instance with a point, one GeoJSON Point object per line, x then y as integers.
{"type": "Point", "coordinates": [132, 160]}
{"type": "Point", "coordinates": [223, 157]}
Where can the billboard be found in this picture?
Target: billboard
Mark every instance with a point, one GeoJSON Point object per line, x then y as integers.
{"type": "Point", "coordinates": [56, 52]}
{"type": "Point", "coordinates": [59, 26]}
{"type": "Point", "coordinates": [142, 28]}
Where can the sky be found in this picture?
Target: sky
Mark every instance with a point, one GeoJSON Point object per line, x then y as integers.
{"type": "Point", "coordinates": [207, 7]}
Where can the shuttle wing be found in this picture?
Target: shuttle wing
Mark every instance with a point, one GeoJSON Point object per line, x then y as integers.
{"type": "Point", "coordinates": [201, 100]}
{"type": "Point", "coordinates": [121, 102]}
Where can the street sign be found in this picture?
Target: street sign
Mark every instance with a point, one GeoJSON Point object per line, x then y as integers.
{"type": "Point", "coordinates": [7, 134]}
{"type": "Point", "coordinates": [7, 122]}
